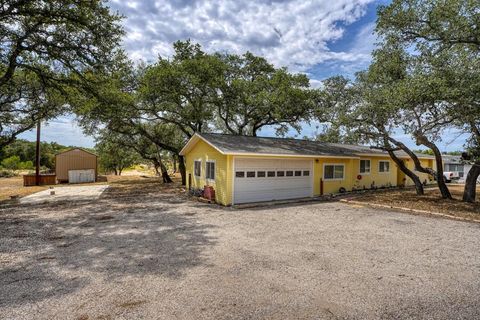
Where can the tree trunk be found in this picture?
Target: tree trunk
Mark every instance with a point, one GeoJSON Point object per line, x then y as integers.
{"type": "Point", "coordinates": [442, 186]}
{"type": "Point", "coordinates": [155, 165]}
{"type": "Point", "coordinates": [120, 172]}
{"type": "Point", "coordinates": [182, 169]}
{"type": "Point", "coordinates": [174, 158]}
{"type": "Point", "coordinates": [401, 165]}
{"type": "Point", "coordinates": [416, 180]}
{"type": "Point", "coordinates": [115, 171]}
{"type": "Point", "coordinates": [165, 176]}
{"type": "Point", "coordinates": [469, 193]}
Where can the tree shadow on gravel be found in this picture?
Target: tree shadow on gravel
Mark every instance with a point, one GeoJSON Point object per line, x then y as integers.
{"type": "Point", "coordinates": [52, 250]}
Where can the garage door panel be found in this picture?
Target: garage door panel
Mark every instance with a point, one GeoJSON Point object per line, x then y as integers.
{"type": "Point", "coordinates": [295, 181]}
{"type": "Point", "coordinates": [256, 185]}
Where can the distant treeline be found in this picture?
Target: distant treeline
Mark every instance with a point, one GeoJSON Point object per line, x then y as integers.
{"type": "Point", "coordinates": [21, 154]}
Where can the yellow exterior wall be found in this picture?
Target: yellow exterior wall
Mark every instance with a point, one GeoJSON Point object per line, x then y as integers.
{"type": "Point", "coordinates": [375, 177]}
{"type": "Point", "coordinates": [426, 163]}
{"type": "Point", "coordinates": [352, 170]}
{"type": "Point", "coordinates": [223, 173]}
{"type": "Point", "coordinates": [332, 186]}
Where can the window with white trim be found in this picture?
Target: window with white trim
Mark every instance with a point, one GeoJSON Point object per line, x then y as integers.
{"type": "Point", "coordinates": [333, 172]}
{"type": "Point", "coordinates": [210, 170]}
{"type": "Point", "coordinates": [384, 166]}
{"type": "Point", "coordinates": [197, 168]}
{"type": "Point", "coordinates": [364, 166]}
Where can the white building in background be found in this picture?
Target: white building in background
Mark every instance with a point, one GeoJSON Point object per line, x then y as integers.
{"type": "Point", "coordinates": [459, 167]}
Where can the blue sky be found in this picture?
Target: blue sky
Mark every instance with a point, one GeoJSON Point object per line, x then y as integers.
{"type": "Point", "coordinates": [320, 38]}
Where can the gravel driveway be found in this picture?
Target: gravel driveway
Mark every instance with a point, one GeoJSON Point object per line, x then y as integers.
{"type": "Point", "coordinates": [162, 257]}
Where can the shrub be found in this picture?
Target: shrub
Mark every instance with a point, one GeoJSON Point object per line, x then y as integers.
{"type": "Point", "coordinates": [11, 163]}
{"type": "Point", "coordinates": [6, 173]}
{"type": "Point", "coordinates": [26, 165]}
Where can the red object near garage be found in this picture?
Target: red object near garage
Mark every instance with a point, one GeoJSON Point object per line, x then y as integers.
{"type": "Point", "coordinates": [359, 177]}
{"type": "Point", "coordinates": [209, 193]}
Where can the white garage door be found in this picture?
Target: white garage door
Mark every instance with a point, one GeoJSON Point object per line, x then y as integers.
{"type": "Point", "coordinates": [266, 179]}
{"type": "Point", "coordinates": [81, 176]}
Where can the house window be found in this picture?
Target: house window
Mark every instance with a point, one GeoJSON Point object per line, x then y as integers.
{"type": "Point", "coordinates": [364, 166]}
{"type": "Point", "coordinates": [384, 166]}
{"type": "Point", "coordinates": [271, 174]}
{"type": "Point", "coordinates": [454, 167]}
{"type": "Point", "coordinates": [250, 174]}
{"type": "Point", "coordinates": [333, 171]}
{"type": "Point", "coordinates": [280, 173]}
{"type": "Point", "coordinates": [197, 168]}
{"type": "Point", "coordinates": [306, 173]}
{"type": "Point", "coordinates": [298, 173]}
{"type": "Point", "coordinates": [260, 174]}
{"type": "Point", "coordinates": [210, 172]}
{"type": "Point", "coordinates": [240, 174]}
{"type": "Point", "coordinates": [289, 173]}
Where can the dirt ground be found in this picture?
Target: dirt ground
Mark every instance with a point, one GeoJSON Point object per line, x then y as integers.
{"type": "Point", "coordinates": [14, 186]}
{"type": "Point", "coordinates": [145, 251]}
{"type": "Point", "coordinates": [431, 201]}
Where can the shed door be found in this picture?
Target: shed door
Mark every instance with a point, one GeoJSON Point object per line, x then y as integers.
{"type": "Point", "coordinates": [81, 176]}
{"type": "Point", "coordinates": [272, 179]}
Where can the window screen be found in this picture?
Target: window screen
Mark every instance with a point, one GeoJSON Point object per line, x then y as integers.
{"type": "Point", "coordinates": [210, 170]}
{"type": "Point", "coordinates": [364, 166]}
{"type": "Point", "coordinates": [384, 166]}
{"type": "Point", "coordinates": [332, 171]}
{"type": "Point", "coordinates": [197, 168]}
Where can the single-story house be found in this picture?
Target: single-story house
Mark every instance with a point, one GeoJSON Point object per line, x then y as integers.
{"type": "Point", "coordinates": [76, 166]}
{"type": "Point", "coordinates": [244, 169]}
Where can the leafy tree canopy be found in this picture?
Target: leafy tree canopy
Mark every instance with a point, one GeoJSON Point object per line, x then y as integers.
{"type": "Point", "coordinates": [47, 47]}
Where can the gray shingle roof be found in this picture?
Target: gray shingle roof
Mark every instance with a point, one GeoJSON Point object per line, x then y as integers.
{"type": "Point", "coordinates": [286, 146]}
{"type": "Point", "coordinates": [452, 159]}
{"type": "Point", "coordinates": [266, 145]}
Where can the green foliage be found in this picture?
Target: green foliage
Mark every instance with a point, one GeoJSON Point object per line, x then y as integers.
{"type": "Point", "coordinates": [26, 165]}
{"type": "Point", "coordinates": [446, 41]}
{"type": "Point", "coordinates": [25, 150]}
{"type": "Point", "coordinates": [113, 154]}
{"type": "Point", "coordinates": [253, 94]}
{"type": "Point", "coordinates": [48, 48]}
{"type": "Point", "coordinates": [11, 163]}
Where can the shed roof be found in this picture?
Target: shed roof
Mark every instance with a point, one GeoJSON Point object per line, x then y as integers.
{"type": "Point", "coordinates": [73, 149]}
{"type": "Point", "coordinates": [248, 145]}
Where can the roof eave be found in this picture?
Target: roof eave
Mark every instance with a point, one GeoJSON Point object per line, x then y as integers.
{"type": "Point", "coordinates": [193, 141]}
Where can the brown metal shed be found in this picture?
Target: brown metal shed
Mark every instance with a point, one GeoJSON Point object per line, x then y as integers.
{"type": "Point", "coordinates": [74, 160]}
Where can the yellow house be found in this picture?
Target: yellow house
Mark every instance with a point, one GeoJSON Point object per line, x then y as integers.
{"type": "Point", "coordinates": [244, 169]}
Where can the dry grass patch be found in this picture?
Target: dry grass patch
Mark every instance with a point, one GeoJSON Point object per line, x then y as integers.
{"type": "Point", "coordinates": [431, 201]}
{"type": "Point", "coordinates": [136, 186]}
{"type": "Point", "coordinates": [14, 187]}
{"type": "Point", "coordinates": [120, 185]}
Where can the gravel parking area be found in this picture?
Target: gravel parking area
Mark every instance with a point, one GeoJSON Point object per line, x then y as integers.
{"type": "Point", "coordinates": [160, 256]}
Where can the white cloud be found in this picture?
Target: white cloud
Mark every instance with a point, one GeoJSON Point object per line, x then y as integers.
{"type": "Point", "coordinates": [292, 33]}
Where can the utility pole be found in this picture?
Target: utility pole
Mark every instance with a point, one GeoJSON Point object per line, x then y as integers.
{"type": "Point", "coordinates": [37, 155]}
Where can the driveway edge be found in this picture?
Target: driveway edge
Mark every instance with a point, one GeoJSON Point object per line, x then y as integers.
{"type": "Point", "coordinates": [438, 214]}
